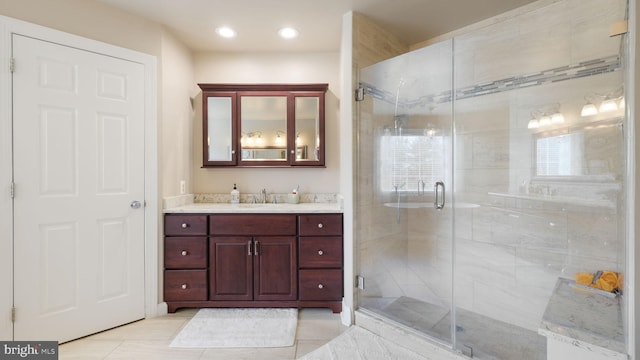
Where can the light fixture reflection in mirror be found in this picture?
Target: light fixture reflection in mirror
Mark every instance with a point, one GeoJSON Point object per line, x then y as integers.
{"type": "Point", "coordinates": [610, 102]}
{"type": "Point", "coordinates": [589, 109]}
{"type": "Point", "coordinates": [279, 140]}
{"type": "Point", "coordinates": [557, 118]}
{"type": "Point", "coordinates": [608, 105]}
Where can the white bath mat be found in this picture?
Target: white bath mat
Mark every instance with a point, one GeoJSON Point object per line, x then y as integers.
{"type": "Point", "coordinates": [226, 328]}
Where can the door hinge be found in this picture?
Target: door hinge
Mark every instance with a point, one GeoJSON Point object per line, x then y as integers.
{"type": "Point", "coordinates": [13, 314]}
{"type": "Point", "coordinates": [360, 282]}
{"type": "Point", "coordinates": [12, 190]}
{"type": "Point", "coordinates": [360, 94]}
{"type": "Point", "coordinates": [12, 64]}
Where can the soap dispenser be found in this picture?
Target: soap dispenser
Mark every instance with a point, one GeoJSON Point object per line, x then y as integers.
{"type": "Point", "coordinates": [235, 195]}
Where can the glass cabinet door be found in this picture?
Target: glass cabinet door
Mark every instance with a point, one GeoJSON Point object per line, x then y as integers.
{"type": "Point", "coordinates": [219, 129]}
{"type": "Point", "coordinates": [308, 130]}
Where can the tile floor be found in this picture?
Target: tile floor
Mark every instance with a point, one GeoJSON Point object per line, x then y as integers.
{"type": "Point", "coordinates": [150, 339]}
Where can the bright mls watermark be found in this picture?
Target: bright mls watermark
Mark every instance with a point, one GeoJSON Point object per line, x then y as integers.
{"type": "Point", "coordinates": [30, 350]}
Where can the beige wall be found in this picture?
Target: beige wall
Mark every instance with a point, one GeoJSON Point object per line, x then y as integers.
{"type": "Point", "coordinates": [176, 126]}
{"type": "Point", "coordinates": [270, 68]}
{"type": "Point", "coordinates": [89, 19]}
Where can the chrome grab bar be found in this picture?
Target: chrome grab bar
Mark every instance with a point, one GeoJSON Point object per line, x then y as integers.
{"type": "Point", "coordinates": [438, 203]}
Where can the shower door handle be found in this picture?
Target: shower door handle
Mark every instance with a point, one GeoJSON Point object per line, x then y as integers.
{"type": "Point", "coordinates": [438, 188]}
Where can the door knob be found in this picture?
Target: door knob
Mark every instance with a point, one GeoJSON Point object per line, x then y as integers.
{"type": "Point", "coordinates": [136, 204]}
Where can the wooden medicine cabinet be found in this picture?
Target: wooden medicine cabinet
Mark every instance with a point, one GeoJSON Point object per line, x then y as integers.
{"type": "Point", "coordinates": [263, 125]}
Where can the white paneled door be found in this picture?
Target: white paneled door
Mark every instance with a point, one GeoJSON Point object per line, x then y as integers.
{"type": "Point", "coordinates": [78, 126]}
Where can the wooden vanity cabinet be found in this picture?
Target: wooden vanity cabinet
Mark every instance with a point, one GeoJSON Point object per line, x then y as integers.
{"type": "Point", "coordinates": [253, 260]}
{"type": "Point", "coordinates": [320, 257]}
{"type": "Point", "coordinates": [253, 257]}
{"type": "Point", "coordinates": [185, 257]}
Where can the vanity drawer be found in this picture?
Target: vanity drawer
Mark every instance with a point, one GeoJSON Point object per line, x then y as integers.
{"type": "Point", "coordinates": [320, 224]}
{"type": "Point", "coordinates": [185, 285]}
{"type": "Point", "coordinates": [320, 284]}
{"type": "Point", "coordinates": [185, 252]}
{"type": "Point", "coordinates": [248, 225]}
{"type": "Point", "coordinates": [177, 225]}
{"type": "Point", "coordinates": [320, 252]}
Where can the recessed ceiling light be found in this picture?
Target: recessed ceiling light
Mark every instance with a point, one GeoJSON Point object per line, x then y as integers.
{"type": "Point", "coordinates": [226, 32]}
{"type": "Point", "coordinates": [288, 33]}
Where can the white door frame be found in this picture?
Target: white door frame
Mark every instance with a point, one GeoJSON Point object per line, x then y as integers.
{"type": "Point", "coordinates": [9, 26]}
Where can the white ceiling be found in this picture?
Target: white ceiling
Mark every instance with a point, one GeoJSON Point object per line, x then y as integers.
{"type": "Point", "coordinates": [319, 21]}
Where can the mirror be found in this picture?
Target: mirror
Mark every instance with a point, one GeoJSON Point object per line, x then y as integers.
{"type": "Point", "coordinates": [219, 120]}
{"type": "Point", "coordinates": [263, 124]}
{"type": "Point", "coordinates": [591, 151]}
{"type": "Point", "coordinates": [307, 127]}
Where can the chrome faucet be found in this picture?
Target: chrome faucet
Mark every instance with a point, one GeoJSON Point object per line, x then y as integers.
{"type": "Point", "coordinates": [263, 192]}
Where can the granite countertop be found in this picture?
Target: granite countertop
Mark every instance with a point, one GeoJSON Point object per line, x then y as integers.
{"type": "Point", "coordinates": [584, 317]}
{"type": "Point", "coordinates": [284, 208]}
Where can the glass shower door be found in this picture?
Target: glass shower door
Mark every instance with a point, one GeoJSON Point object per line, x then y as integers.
{"type": "Point", "coordinates": [404, 242]}
{"type": "Point", "coordinates": [546, 172]}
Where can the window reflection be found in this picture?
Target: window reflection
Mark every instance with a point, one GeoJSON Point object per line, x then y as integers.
{"type": "Point", "coordinates": [589, 151]}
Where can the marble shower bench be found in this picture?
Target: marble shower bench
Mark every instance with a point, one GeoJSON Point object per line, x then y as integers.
{"type": "Point", "coordinates": [580, 323]}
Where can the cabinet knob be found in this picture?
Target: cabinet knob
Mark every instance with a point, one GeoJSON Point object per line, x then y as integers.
{"type": "Point", "coordinates": [185, 225]}
{"type": "Point", "coordinates": [320, 286]}
{"type": "Point", "coordinates": [320, 226]}
{"type": "Point", "coordinates": [320, 252]}
{"type": "Point", "coordinates": [184, 286]}
{"type": "Point", "coordinates": [184, 253]}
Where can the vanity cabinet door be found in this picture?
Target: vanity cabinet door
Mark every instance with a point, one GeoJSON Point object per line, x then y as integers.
{"type": "Point", "coordinates": [231, 268]}
{"type": "Point", "coordinates": [275, 268]}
